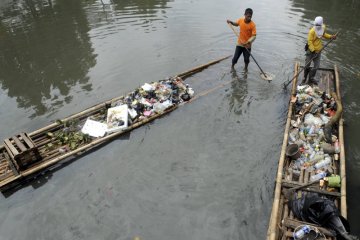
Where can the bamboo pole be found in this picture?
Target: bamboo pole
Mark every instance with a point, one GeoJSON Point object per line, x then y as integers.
{"type": "Point", "coordinates": [295, 186]}
{"type": "Point", "coordinates": [273, 230]}
{"type": "Point", "coordinates": [343, 208]}
{"type": "Point", "coordinates": [199, 68]}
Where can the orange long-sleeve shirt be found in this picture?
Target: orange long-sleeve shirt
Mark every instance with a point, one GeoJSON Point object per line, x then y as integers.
{"type": "Point", "coordinates": [247, 31]}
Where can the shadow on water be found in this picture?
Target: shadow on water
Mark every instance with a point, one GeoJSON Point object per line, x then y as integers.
{"type": "Point", "coordinates": [45, 51]}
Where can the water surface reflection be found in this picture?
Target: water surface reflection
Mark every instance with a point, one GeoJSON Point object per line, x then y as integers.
{"type": "Point", "coordinates": [46, 50]}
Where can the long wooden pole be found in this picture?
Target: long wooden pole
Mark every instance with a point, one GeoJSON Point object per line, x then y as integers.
{"type": "Point", "coordinates": [273, 228]}
{"type": "Point", "coordinates": [199, 68]}
{"type": "Point", "coordinates": [343, 204]}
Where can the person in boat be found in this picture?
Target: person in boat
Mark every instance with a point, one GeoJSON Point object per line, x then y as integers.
{"type": "Point", "coordinates": [313, 48]}
{"type": "Point", "coordinates": [246, 37]}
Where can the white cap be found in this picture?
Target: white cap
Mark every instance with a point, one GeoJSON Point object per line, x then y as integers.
{"type": "Point", "coordinates": [318, 21]}
{"type": "Point", "coordinates": [319, 26]}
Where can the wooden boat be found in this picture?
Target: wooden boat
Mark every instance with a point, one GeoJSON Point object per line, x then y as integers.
{"type": "Point", "coordinates": [24, 155]}
{"type": "Point", "coordinates": [283, 222]}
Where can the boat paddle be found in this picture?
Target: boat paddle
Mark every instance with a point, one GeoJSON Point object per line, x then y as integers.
{"type": "Point", "coordinates": [265, 76]}
{"type": "Point", "coordinates": [286, 83]}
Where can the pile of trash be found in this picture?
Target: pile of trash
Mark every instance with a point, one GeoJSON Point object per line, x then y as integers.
{"type": "Point", "coordinates": [311, 146]}
{"type": "Point", "coordinates": [144, 102]}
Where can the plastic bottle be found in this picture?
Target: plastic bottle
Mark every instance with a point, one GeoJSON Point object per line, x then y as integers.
{"type": "Point", "coordinates": [311, 130]}
{"type": "Point", "coordinates": [320, 153]}
{"type": "Point", "coordinates": [319, 156]}
{"type": "Point", "coordinates": [317, 176]}
{"type": "Point", "coordinates": [302, 135]}
{"type": "Point", "coordinates": [312, 155]}
{"type": "Point", "coordinates": [299, 163]}
{"type": "Point", "coordinates": [337, 147]}
{"type": "Point", "coordinates": [323, 163]}
{"type": "Point", "coordinates": [294, 134]}
{"type": "Point", "coordinates": [299, 234]}
{"type": "Point", "coordinates": [321, 134]}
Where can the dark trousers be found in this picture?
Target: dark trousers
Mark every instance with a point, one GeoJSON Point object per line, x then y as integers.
{"type": "Point", "coordinates": [311, 57]}
{"type": "Point", "coordinates": [241, 50]}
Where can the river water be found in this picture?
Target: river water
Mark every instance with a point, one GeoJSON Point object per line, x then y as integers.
{"type": "Point", "coordinates": [204, 171]}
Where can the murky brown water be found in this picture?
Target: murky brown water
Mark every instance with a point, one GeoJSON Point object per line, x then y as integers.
{"type": "Point", "coordinates": [205, 171]}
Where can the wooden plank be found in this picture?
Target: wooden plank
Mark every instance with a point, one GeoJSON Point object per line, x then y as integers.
{"type": "Point", "coordinates": [11, 149]}
{"type": "Point", "coordinates": [9, 152]}
{"type": "Point", "coordinates": [322, 69]}
{"type": "Point", "coordinates": [11, 164]}
{"type": "Point", "coordinates": [291, 184]}
{"type": "Point", "coordinates": [19, 144]}
{"type": "Point", "coordinates": [27, 140]}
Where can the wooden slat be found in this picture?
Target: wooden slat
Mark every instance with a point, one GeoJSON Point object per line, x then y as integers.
{"type": "Point", "coordinates": [11, 149]}
{"type": "Point", "coordinates": [306, 177]}
{"type": "Point", "coordinates": [27, 140]}
{"type": "Point", "coordinates": [11, 164]}
{"type": "Point", "coordinates": [291, 184]}
{"type": "Point", "coordinates": [19, 143]}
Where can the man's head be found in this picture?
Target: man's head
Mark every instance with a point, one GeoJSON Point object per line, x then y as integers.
{"type": "Point", "coordinates": [318, 21]}
{"type": "Point", "coordinates": [319, 27]}
{"type": "Point", "coordinates": [248, 14]}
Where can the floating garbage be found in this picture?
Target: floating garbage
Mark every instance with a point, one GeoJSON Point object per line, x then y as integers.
{"type": "Point", "coordinates": [144, 102]}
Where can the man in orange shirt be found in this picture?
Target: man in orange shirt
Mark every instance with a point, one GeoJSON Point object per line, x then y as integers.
{"type": "Point", "coordinates": [246, 37]}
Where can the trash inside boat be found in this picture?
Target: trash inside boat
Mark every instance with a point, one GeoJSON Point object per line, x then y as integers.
{"type": "Point", "coordinates": [310, 189]}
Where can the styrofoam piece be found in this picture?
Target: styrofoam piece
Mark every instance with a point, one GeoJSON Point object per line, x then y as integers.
{"type": "Point", "coordinates": [114, 116]}
{"type": "Point", "coordinates": [147, 87]}
{"type": "Point", "coordinates": [94, 128]}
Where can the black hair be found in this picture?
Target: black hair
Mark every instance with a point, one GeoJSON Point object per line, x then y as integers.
{"type": "Point", "coordinates": [248, 10]}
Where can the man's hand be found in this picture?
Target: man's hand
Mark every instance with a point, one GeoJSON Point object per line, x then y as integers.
{"type": "Point", "coordinates": [247, 45]}
{"type": "Point", "coordinates": [228, 21]}
{"type": "Point", "coordinates": [333, 37]}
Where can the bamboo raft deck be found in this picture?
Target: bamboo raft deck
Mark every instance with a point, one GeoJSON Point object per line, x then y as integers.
{"type": "Point", "coordinates": [28, 146]}
{"type": "Point", "coordinates": [282, 222]}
